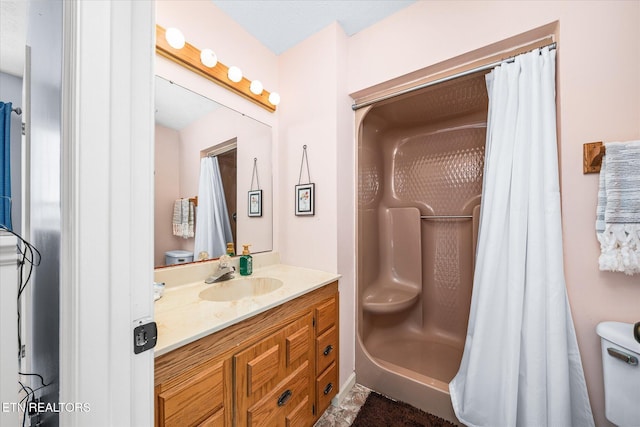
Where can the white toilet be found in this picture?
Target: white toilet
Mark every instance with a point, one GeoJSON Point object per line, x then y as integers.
{"type": "Point", "coordinates": [621, 366]}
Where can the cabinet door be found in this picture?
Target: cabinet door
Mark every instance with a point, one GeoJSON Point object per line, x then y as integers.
{"type": "Point", "coordinates": [261, 369]}
{"type": "Point", "coordinates": [288, 404]}
{"type": "Point", "coordinates": [215, 420]}
{"type": "Point", "coordinates": [192, 398]}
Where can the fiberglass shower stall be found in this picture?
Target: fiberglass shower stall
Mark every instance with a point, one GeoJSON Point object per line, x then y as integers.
{"type": "Point", "coordinates": [420, 172]}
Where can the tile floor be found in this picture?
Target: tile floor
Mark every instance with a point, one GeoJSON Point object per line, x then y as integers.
{"type": "Point", "coordinates": [344, 415]}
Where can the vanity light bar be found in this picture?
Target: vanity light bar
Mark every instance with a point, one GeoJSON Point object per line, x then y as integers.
{"type": "Point", "coordinates": [189, 57]}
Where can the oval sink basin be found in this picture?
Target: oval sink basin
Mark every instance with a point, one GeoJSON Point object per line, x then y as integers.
{"type": "Point", "coordinates": [236, 289]}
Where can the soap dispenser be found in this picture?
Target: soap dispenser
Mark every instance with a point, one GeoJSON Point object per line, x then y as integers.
{"type": "Point", "coordinates": [230, 249]}
{"type": "Point", "coordinates": [246, 262]}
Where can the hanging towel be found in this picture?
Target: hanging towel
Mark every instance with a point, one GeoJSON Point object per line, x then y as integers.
{"type": "Point", "coordinates": [183, 218]}
{"type": "Point", "coordinates": [191, 219]}
{"type": "Point", "coordinates": [618, 211]}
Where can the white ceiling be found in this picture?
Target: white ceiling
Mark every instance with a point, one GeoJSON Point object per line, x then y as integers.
{"type": "Point", "coordinates": [281, 24]}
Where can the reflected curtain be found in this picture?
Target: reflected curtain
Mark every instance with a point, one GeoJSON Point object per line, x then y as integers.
{"type": "Point", "coordinates": [213, 229]}
{"type": "Point", "coordinates": [521, 364]}
{"type": "Point", "coordinates": [5, 164]}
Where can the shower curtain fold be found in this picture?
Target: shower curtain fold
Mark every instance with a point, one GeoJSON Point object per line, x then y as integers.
{"type": "Point", "coordinates": [521, 364]}
{"type": "Point", "coordinates": [5, 164]}
{"type": "Point", "coordinates": [213, 229]}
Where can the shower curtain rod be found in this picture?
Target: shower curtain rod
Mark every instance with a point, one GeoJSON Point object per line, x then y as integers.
{"type": "Point", "coordinates": [17, 110]}
{"type": "Point", "coordinates": [355, 107]}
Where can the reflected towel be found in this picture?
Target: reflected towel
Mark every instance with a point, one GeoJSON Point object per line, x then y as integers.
{"type": "Point", "coordinates": [191, 219]}
{"type": "Point", "coordinates": [183, 218]}
{"type": "Point", "coordinates": [618, 211]}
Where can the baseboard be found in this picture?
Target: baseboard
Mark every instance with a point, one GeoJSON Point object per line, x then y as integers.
{"type": "Point", "coordinates": [346, 388]}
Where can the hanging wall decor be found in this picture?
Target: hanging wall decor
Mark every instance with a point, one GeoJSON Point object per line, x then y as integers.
{"type": "Point", "coordinates": [255, 196]}
{"type": "Point", "coordinates": [305, 193]}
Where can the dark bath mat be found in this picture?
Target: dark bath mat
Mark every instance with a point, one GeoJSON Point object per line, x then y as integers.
{"type": "Point", "coordinates": [380, 411]}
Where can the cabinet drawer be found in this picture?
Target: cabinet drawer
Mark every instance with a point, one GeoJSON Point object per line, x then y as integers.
{"type": "Point", "coordinates": [326, 315]}
{"type": "Point", "coordinates": [326, 387]}
{"type": "Point", "coordinates": [194, 399]}
{"type": "Point", "coordinates": [283, 402]}
{"type": "Point", "coordinates": [326, 349]}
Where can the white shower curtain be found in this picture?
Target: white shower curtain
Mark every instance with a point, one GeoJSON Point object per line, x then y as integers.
{"type": "Point", "coordinates": [521, 365]}
{"type": "Point", "coordinates": [213, 230]}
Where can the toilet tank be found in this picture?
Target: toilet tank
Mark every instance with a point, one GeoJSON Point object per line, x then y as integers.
{"type": "Point", "coordinates": [621, 367]}
{"type": "Point", "coordinates": [177, 257]}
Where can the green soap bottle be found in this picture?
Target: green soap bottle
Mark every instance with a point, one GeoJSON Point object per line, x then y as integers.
{"type": "Point", "coordinates": [246, 262]}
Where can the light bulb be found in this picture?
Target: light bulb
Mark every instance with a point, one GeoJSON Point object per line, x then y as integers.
{"type": "Point", "coordinates": [256, 87]}
{"type": "Point", "coordinates": [208, 58]}
{"type": "Point", "coordinates": [234, 74]}
{"type": "Point", "coordinates": [175, 38]}
{"type": "Point", "coordinates": [274, 98]}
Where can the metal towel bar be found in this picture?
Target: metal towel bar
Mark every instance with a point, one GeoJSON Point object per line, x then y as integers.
{"type": "Point", "coordinates": [446, 216]}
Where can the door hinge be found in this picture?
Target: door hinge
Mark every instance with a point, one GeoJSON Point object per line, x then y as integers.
{"type": "Point", "coordinates": [313, 409]}
{"type": "Point", "coordinates": [145, 336]}
{"type": "Point", "coordinates": [314, 322]}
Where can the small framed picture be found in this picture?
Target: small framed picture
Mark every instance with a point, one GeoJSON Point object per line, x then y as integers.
{"type": "Point", "coordinates": [305, 199]}
{"type": "Point", "coordinates": [255, 203]}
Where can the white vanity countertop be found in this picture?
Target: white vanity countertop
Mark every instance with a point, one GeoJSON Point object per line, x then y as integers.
{"type": "Point", "coordinates": [183, 317]}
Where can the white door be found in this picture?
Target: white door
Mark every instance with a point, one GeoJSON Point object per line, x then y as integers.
{"type": "Point", "coordinates": [107, 212]}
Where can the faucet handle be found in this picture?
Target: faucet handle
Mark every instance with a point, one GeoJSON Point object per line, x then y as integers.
{"type": "Point", "coordinates": [225, 261]}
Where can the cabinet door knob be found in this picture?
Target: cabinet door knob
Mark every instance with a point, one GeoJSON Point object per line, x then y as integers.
{"type": "Point", "coordinates": [327, 350]}
{"type": "Point", "coordinates": [328, 389]}
{"type": "Point", "coordinates": [284, 397]}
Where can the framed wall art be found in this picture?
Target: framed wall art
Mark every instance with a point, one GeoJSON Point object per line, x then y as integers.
{"type": "Point", "coordinates": [255, 203]}
{"type": "Point", "coordinates": [305, 199]}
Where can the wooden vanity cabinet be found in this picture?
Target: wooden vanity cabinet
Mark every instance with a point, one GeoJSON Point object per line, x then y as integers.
{"type": "Point", "coordinates": [278, 368]}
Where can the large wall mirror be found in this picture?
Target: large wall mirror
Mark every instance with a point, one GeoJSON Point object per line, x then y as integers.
{"type": "Point", "coordinates": [190, 128]}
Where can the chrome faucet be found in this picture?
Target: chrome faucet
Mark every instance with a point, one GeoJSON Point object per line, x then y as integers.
{"type": "Point", "coordinates": [225, 271]}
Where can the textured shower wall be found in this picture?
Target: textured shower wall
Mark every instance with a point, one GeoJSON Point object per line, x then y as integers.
{"type": "Point", "coordinates": [442, 173]}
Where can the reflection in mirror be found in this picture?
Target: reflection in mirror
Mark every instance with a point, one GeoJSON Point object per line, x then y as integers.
{"type": "Point", "coordinates": [190, 130]}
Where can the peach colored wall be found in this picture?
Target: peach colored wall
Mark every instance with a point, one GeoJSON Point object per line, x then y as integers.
{"type": "Point", "coordinates": [167, 190]}
{"type": "Point", "coordinates": [598, 86]}
{"type": "Point", "coordinates": [317, 113]}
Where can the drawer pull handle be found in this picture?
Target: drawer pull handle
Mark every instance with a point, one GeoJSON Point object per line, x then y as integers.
{"type": "Point", "coordinates": [284, 398]}
{"type": "Point", "coordinates": [328, 389]}
{"type": "Point", "coordinates": [328, 350]}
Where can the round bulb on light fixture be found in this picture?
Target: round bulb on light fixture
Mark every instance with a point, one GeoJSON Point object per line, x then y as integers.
{"type": "Point", "coordinates": [234, 74]}
{"type": "Point", "coordinates": [256, 87]}
{"type": "Point", "coordinates": [208, 58]}
{"type": "Point", "coordinates": [274, 98]}
{"type": "Point", "coordinates": [175, 38]}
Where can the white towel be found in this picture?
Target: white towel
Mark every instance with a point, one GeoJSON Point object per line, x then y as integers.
{"type": "Point", "coordinates": [191, 219]}
{"type": "Point", "coordinates": [618, 212]}
{"type": "Point", "coordinates": [183, 218]}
